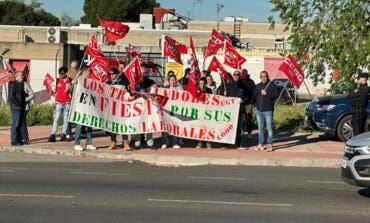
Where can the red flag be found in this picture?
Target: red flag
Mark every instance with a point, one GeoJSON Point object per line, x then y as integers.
{"type": "Point", "coordinates": [215, 43]}
{"type": "Point", "coordinates": [232, 57]}
{"type": "Point", "coordinates": [216, 66]}
{"type": "Point", "coordinates": [179, 46]}
{"type": "Point", "coordinates": [92, 48]}
{"type": "Point", "coordinates": [171, 50]}
{"type": "Point", "coordinates": [132, 52]}
{"type": "Point", "coordinates": [6, 75]}
{"type": "Point", "coordinates": [113, 30]}
{"type": "Point", "coordinates": [48, 83]}
{"type": "Point", "coordinates": [292, 70]}
{"type": "Point", "coordinates": [133, 73]}
{"type": "Point", "coordinates": [99, 67]}
{"type": "Point", "coordinates": [194, 71]}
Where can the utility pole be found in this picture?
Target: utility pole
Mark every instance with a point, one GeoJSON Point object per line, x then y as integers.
{"type": "Point", "coordinates": [195, 3]}
{"type": "Point", "coordinates": [218, 7]}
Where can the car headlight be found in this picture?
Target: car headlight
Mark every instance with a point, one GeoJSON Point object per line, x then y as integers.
{"type": "Point", "coordinates": [325, 107]}
{"type": "Point", "coordinates": [364, 150]}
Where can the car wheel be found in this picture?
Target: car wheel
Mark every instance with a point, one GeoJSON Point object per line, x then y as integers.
{"type": "Point", "coordinates": [345, 128]}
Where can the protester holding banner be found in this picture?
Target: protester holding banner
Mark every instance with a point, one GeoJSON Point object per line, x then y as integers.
{"type": "Point", "coordinates": [167, 139]}
{"type": "Point", "coordinates": [184, 80]}
{"type": "Point", "coordinates": [30, 95]}
{"type": "Point", "coordinates": [62, 104]}
{"type": "Point", "coordinates": [118, 80]}
{"type": "Point", "coordinates": [211, 84]}
{"type": "Point", "coordinates": [248, 85]}
{"type": "Point", "coordinates": [265, 94]}
{"type": "Point", "coordinates": [17, 99]}
{"type": "Point", "coordinates": [142, 87]}
{"type": "Point", "coordinates": [85, 74]}
{"type": "Point", "coordinates": [202, 88]}
{"type": "Point", "coordinates": [233, 89]}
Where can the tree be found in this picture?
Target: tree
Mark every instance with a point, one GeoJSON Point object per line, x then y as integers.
{"type": "Point", "coordinates": [16, 12]}
{"type": "Point", "coordinates": [335, 34]}
{"type": "Point", "coordinates": [67, 20]}
{"type": "Point", "coordinates": [120, 10]}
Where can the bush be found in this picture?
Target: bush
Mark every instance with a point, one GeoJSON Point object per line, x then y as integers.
{"type": "Point", "coordinates": [5, 115]}
{"type": "Point", "coordinates": [290, 117]}
{"type": "Point", "coordinates": [37, 115]}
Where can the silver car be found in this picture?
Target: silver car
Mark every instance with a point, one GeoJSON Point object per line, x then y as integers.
{"type": "Point", "coordinates": [356, 160]}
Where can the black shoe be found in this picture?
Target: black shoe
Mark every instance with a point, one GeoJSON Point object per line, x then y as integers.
{"type": "Point", "coordinates": [52, 138]}
{"type": "Point", "coordinates": [26, 142]}
{"type": "Point", "coordinates": [16, 144]}
{"type": "Point", "coordinates": [63, 138]}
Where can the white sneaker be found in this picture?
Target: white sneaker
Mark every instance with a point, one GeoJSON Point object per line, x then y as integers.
{"type": "Point", "coordinates": [199, 145]}
{"type": "Point", "coordinates": [78, 148]}
{"type": "Point", "coordinates": [90, 147]}
{"type": "Point", "coordinates": [164, 146]}
{"type": "Point", "coordinates": [176, 146]}
{"type": "Point", "coordinates": [242, 148]}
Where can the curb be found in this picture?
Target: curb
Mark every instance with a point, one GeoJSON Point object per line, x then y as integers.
{"type": "Point", "coordinates": [175, 160]}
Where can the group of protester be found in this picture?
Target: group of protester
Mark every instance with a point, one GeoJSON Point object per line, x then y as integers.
{"type": "Point", "coordinates": [239, 84]}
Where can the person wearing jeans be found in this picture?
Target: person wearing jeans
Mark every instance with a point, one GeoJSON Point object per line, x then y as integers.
{"type": "Point", "coordinates": [17, 99]}
{"type": "Point", "coordinates": [89, 146]}
{"type": "Point", "coordinates": [265, 94]}
{"type": "Point", "coordinates": [62, 104]}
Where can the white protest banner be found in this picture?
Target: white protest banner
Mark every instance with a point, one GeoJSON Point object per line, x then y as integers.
{"type": "Point", "coordinates": [112, 109]}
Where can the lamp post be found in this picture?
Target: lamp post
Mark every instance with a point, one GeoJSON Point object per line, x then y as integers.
{"type": "Point", "coordinates": [218, 7]}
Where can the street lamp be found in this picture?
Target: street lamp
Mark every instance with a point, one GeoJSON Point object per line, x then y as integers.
{"type": "Point", "coordinates": [218, 7]}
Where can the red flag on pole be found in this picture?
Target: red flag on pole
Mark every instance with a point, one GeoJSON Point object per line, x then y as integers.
{"type": "Point", "coordinates": [179, 46]}
{"type": "Point", "coordinates": [92, 47]}
{"type": "Point", "coordinates": [48, 83]}
{"type": "Point", "coordinates": [133, 73]}
{"type": "Point", "coordinates": [113, 30]}
{"type": "Point", "coordinates": [232, 57]}
{"type": "Point", "coordinates": [292, 70]}
{"type": "Point", "coordinates": [6, 75]}
{"type": "Point", "coordinates": [194, 71]}
{"type": "Point", "coordinates": [132, 52]}
{"type": "Point", "coordinates": [216, 66]}
{"type": "Point", "coordinates": [215, 43]}
{"type": "Point", "coordinates": [170, 50]}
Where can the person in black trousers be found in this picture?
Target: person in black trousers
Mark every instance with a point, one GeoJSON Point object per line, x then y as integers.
{"type": "Point", "coordinates": [17, 99]}
{"type": "Point", "coordinates": [360, 101]}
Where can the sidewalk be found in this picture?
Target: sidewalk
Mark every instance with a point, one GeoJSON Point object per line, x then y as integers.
{"type": "Point", "coordinates": [304, 150]}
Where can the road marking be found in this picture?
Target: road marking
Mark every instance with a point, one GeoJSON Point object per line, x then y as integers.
{"type": "Point", "coordinates": [94, 173]}
{"type": "Point", "coordinates": [216, 178]}
{"type": "Point", "coordinates": [324, 182]}
{"type": "Point", "coordinates": [7, 170]}
{"type": "Point", "coordinates": [37, 195]}
{"type": "Point", "coordinates": [221, 202]}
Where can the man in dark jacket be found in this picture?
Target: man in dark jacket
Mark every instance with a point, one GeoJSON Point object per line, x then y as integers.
{"type": "Point", "coordinates": [265, 95]}
{"type": "Point", "coordinates": [17, 99]}
{"type": "Point", "coordinates": [248, 86]}
{"type": "Point", "coordinates": [359, 104]}
{"type": "Point", "coordinates": [233, 89]}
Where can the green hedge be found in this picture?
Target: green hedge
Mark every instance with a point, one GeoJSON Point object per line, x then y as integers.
{"type": "Point", "coordinates": [290, 117]}
{"type": "Point", "coordinates": [38, 115]}
{"type": "Point", "coordinates": [286, 117]}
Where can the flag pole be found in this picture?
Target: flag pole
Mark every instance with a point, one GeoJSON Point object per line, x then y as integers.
{"type": "Point", "coordinates": [308, 90]}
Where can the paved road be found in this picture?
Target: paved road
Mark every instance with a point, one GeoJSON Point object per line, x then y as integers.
{"type": "Point", "coordinates": [57, 189]}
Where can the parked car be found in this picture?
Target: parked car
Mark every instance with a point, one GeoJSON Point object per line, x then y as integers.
{"type": "Point", "coordinates": [289, 95]}
{"type": "Point", "coordinates": [356, 160]}
{"type": "Point", "coordinates": [332, 114]}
